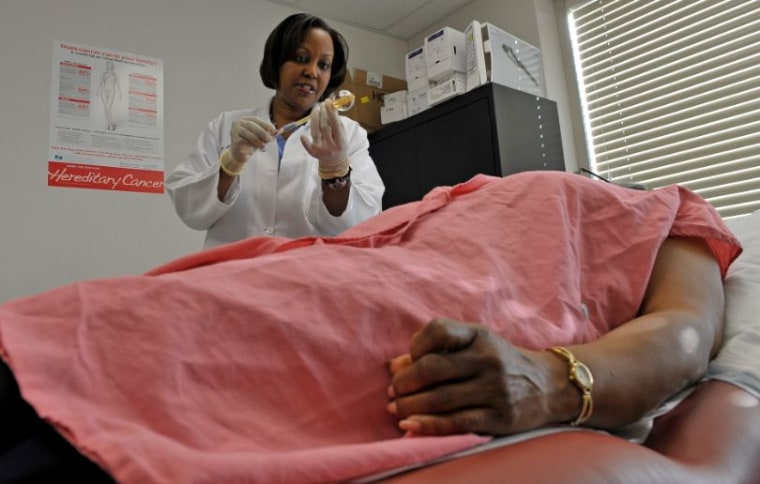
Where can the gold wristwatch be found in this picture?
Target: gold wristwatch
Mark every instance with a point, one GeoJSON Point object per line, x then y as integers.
{"type": "Point", "coordinates": [580, 376]}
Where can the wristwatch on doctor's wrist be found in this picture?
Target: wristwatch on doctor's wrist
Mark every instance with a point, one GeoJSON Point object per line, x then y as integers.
{"type": "Point", "coordinates": [340, 182]}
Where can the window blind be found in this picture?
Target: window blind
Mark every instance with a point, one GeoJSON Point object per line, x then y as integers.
{"type": "Point", "coordinates": [671, 94]}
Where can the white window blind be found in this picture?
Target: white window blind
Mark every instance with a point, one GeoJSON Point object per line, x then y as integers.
{"type": "Point", "coordinates": [671, 94]}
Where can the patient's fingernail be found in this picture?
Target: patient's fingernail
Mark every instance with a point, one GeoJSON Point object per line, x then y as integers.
{"type": "Point", "coordinates": [392, 409]}
{"type": "Point", "coordinates": [410, 426]}
{"type": "Point", "coordinates": [391, 392]}
{"type": "Point", "coordinates": [399, 362]}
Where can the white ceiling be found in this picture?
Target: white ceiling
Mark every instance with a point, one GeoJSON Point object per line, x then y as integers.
{"type": "Point", "coordinates": [401, 19]}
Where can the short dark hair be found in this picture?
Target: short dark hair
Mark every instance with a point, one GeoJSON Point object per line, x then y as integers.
{"type": "Point", "coordinates": [288, 36]}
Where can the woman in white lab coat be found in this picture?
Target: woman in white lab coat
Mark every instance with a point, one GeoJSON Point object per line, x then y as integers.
{"type": "Point", "coordinates": [242, 179]}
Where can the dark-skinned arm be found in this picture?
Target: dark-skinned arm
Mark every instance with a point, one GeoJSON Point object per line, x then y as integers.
{"type": "Point", "coordinates": [461, 377]}
{"type": "Point", "coordinates": [336, 201]}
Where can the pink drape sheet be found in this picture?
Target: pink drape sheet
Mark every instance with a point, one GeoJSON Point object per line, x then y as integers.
{"type": "Point", "coordinates": [265, 360]}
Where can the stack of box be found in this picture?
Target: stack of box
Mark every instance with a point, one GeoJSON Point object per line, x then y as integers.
{"type": "Point", "coordinates": [445, 63]}
{"type": "Point", "coordinates": [451, 62]}
{"type": "Point", "coordinates": [436, 71]}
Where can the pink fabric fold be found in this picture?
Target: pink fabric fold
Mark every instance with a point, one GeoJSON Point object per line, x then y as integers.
{"type": "Point", "coordinates": [265, 360]}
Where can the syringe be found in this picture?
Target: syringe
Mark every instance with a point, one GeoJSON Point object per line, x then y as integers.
{"type": "Point", "coordinates": [343, 102]}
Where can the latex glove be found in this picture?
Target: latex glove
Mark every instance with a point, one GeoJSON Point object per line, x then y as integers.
{"type": "Point", "coordinates": [328, 141]}
{"type": "Point", "coordinates": [248, 134]}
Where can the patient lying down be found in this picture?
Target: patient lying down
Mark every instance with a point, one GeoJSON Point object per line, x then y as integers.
{"type": "Point", "coordinates": [426, 330]}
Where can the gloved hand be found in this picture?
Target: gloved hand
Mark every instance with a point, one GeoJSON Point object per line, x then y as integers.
{"type": "Point", "coordinates": [328, 141]}
{"type": "Point", "coordinates": [247, 134]}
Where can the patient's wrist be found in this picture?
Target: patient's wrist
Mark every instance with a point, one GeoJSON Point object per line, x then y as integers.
{"type": "Point", "coordinates": [562, 402]}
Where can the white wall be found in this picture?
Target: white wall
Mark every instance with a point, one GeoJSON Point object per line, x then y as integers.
{"type": "Point", "coordinates": [211, 52]}
{"type": "Point", "coordinates": [536, 22]}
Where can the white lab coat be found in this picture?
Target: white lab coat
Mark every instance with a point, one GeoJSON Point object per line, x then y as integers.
{"type": "Point", "coordinates": [267, 199]}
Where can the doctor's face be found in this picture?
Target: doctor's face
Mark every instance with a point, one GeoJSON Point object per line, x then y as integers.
{"type": "Point", "coordinates": [304, 77]}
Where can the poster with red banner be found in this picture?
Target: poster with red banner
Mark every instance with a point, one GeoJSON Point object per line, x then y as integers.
{"type": "Point", "coordinates": [106, 120]}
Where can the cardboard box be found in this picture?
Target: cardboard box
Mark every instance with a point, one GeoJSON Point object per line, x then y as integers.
{"type": "Point", "coordinates": [392, 113]}
{"type": "Point", "coordinates": [369, 89]}
{"type": "Point", "coordinates": [417, 101]}
{"type": "Point", "coordinates": [512, 62]}
{"type": "Point", "coordinates": [453, 85]}
{"type": "Point", "coordinates": [416, 70]}
{"type": "Point", "coordinates": [444, 53]}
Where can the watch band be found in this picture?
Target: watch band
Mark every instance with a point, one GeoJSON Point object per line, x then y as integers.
{"type": "Point", "coordinates": [580, 376]}
{"type": "Point", "coordinates": [340, 182]}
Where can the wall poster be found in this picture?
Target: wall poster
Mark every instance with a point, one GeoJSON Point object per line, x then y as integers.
{"type": "Point", "coordinates": [106, 120]}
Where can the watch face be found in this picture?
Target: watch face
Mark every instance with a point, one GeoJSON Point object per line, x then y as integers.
{"type": "Point", "coordinates": [338, 184]}
{"type": "Point", "coordinates": [583, 376]}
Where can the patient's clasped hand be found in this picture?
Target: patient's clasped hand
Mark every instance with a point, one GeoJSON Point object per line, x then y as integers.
{"type": "Point", "coordinates": [267, 359]}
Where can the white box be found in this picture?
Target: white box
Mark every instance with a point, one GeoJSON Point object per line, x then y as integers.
{"type": "Point", "coordinates": [417, 101]}
{"type": "Point", "coordinates": [453, 85]}
{"type": "Point", "coordinates": [391, 114]}
{"type": "Point", "coordinates": [475, 62]}
{"type": "Point", "coordinates": [395, 98]}
{"type": "Point", "coordinates": [512, 62]}
{"type": "Point", "coordinates": [416, 71]}
{"type": "Point", "coordinates": [444, 53]}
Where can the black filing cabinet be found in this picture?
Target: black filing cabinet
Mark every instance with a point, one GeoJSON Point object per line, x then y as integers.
{"type": "Point", "coordinates": [492, 129]}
